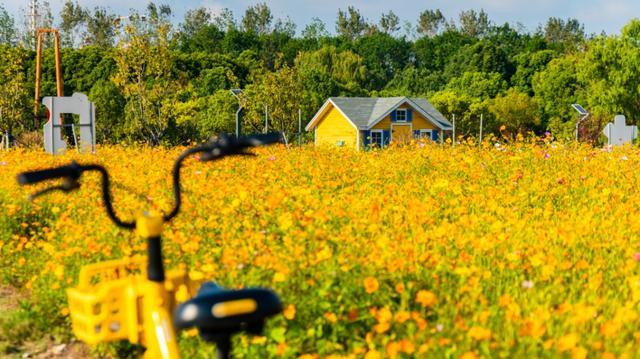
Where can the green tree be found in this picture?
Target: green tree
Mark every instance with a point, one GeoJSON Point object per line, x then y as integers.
{"type": "Point", "coordinates": [481, 85]}
{"type": "Point", "coordinates": [389, 23]}
{"type": "Point", "coordinates": [467, 111]}
{"type": "Point", "coordinates": [144, 75]}
{"type": "Point", "coordinates": [611, 72]}
{"type": "Point", "coordinates": [72, 18]}
{"type": "Point", "coordinates": [345, 68]}
{"type": "Point", "coordinates": [224, 20]}
{"type": "Point", "coordinates": [558, 31]}
{"type": "Point", "coordinates": [195, 20]}
{"type": "Point", "coordinates": [100, 28]}
{"type": "Point", "coordinates": [414, 81]}
{"type": "Point", "coordinates": [202, 117]}
{"type": "Point", "coordinates": [14, 98]}
{"type": "Point", "coordinates": [528, 64]}
{"type": "Point", "coordinates": [109, 104]}
{"type": "Point", "coordinates": [435, 53]}
{"type": "Point", "coordinates": [516, 110]}
{"type": "Point", "coordinates": [482, 56]}
{"type": "Point", "coordinates": [430, 22]}
{"type": "Point", "coordinates": [315, 30]}
{"type": "Point", "coordinates": [285, 26]}
{"type": "Point", "coordinates": [384, 56]}
{"type": "Point", "coordinates": [474, 24]}
{"type": "Point", "coordinates": [350, 24]}
{"type": "Point", "coordinates": [556, 88]}
{"type": "Point", "coordinates": [8, 32]}
{"type": "Point", "coordinates": [198, 33]}
{"type": "Point", "coordinates": [280, 91]}
{"type": "Point", "coordinates": [257, 19]}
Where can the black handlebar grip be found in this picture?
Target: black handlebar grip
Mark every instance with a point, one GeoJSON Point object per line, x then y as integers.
{"type": "Point", "coordinates": [261, 139]}
{"type": "Point", "coordinates": [68, 171]}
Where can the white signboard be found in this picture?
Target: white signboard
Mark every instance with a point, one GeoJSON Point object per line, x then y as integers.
{"type": "Point", "coordinates": [78, 104]}
{"type": "Point", "coordinates": [619, 133]}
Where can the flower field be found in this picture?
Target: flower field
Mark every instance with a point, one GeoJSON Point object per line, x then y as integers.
{"type": "Point", "coordinates": [523, 250]}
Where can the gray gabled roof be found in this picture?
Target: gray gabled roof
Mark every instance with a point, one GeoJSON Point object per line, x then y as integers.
{"type": "Point", "coordinates": [365, 112]}
{"type": "Point", "coordinates": [427, 107]}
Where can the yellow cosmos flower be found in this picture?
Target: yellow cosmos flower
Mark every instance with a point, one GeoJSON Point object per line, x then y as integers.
{"type": "Point", "coordinates": [426, 298]}
{"type": "Point", "coordinates": [371, 285]}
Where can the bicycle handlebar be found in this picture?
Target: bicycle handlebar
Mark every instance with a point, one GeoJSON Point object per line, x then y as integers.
{"type": "Point", "coordinates": [72, 171]}
{"type": "Point", "coordinates": [212, 150]}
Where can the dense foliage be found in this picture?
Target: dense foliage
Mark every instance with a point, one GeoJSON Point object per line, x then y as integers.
{"type": "Point", "coordinates": [520, 250]}
{"type": "Point", "coordinates": [163, 83]}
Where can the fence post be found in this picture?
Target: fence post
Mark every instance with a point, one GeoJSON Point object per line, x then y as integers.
{"type": "Point", "coordinates": [454, 130]}
{"type": "Point", "coordinates": [299, 127]}
{"type": "Point", "coordinates": [481, 115]}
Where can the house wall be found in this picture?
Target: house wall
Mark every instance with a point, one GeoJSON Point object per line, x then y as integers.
{"type": "Point", "coordinates": [418, 122]}
{"type": "Point", "coordinates": [333, 127]}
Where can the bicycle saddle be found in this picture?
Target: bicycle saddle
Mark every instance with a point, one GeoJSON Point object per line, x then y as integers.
{"type": "Point", "coordinates": [217, 311]}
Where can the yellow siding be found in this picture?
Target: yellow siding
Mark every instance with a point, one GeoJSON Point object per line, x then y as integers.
{"type": "Point", "coordinates": [333, 128]}
{"type": "Point", "coordinates": [421, 123]}
{"type": "Point", "coordinates": [418, 122]}
{"type": "Point", "coordinates": [385, 124]}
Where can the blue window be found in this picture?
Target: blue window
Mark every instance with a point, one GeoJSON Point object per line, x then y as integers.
{"type": "Point", "coordinates": [425, 134]}
{"type": "Point", "coordinates": [401, 115]}
{"type": "Point", "coordinates": [376, 138]}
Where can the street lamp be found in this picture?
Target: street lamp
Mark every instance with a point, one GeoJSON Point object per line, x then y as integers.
{"type": "Point", "coordinates": [240, 96]}
{"type": "Point", "coordinates": [582, 113]}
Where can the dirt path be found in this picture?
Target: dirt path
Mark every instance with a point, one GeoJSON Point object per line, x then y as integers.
{"type": "Point", "coordinates": [40, 349]}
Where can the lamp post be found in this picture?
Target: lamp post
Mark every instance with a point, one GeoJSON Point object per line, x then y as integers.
{"type": "Point", "coordinates": [240, 96]}
{"type": "Point", "coordinates": [582, 113]}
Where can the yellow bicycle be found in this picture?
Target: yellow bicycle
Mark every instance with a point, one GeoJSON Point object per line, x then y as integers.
{"type": "Point", "coordinates": [123, 300]}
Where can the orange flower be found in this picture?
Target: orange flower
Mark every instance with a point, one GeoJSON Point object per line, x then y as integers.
{"type": "Point", "coordinates": [290, 312]}
{"type": "Point", "coordinates": [426, 298]}
{"type": "Point", "coordinates": [479, 333]}
{"type": "Point", "coordinates": [331, 317]}
{"type": "Point", "coordinates": [402, 316]}
{"type": "Point", "coordinates": [469, 355]}
{"type": "Point", "coordinates": [371, 285]}
{"type": "Point", "coordinates": [567, 342]}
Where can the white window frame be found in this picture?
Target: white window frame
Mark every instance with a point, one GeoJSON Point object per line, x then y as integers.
{"type": "Point", "coordinates": [381, 132]}
{"type": "Point", "coordinates": [406, 115]}
{"type": "Point", "coordinates": [423, 132]}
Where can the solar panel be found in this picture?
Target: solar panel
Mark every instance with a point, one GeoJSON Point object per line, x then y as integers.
{"type": "Point", "coordinates": [237, 92]}
{"type": "Point", "coordinates": [580, 109]}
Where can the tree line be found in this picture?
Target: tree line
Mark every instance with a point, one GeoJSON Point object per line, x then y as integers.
{"type": "Point", "coordinates": [157, 82]}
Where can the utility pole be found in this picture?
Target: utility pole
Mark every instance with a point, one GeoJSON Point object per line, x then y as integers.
{"type": "Point", "coordinates": [454, 129]}
{"type": "Point", "coordinates": [266, 118]}
{"type": "Point", "coordinates": [299, 127]}
{"type": "Point", "coordinates": [241, 99]}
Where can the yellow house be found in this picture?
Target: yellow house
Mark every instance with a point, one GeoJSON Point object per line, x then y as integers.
{"type": "Point", "coordinates": [359, 122]}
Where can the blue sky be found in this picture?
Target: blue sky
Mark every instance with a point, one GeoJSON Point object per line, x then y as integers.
{"type": "Point", "coordinates": [596, 15]}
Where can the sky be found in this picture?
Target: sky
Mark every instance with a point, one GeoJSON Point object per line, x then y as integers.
{"type": "Point", "coordinates": [597, 15]}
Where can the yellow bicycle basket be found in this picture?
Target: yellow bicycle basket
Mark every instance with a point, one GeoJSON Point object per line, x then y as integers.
{"type": "Point", "coordinates": [106, 304]}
